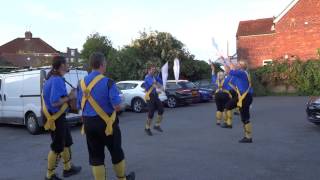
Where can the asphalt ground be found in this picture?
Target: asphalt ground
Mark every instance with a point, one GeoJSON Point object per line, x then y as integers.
{"type": "Point", "coordinates": [192, 147]}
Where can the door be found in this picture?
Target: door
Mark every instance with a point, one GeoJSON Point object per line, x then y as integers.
{"type": "Point", "coordinates": [12, 103]}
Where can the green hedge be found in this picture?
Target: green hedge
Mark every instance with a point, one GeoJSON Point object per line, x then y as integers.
{"type": "Point", "coordinates": [304, 76]}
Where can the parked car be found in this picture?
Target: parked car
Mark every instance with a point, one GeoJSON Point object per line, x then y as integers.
{"type": "Point", "coordinates": [206, 90]}
{"type": "Point", "coordinates": [20, 97]}
{"type": "Point", "coordinates": [134, 93]}
{"type": "Point", "coordinates": [181, 92]}
{"type": "Point", "coordinates": [313, 110]}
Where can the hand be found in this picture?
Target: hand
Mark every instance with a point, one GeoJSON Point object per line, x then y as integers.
{"type": "Point", "coordinates": [72, 94]}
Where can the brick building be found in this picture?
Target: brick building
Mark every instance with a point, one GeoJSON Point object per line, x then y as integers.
{"type": "Point", "coordinates": [29, 51]}
{"type": "Point", "coordinates": [294, 34]}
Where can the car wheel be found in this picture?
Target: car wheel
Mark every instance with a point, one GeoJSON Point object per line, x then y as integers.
{"type": "Point", "coordinates": [32, 124]}
{"type": "Point", "coordinates": [137, 105]}
{"type": "Point", "coordinates": [172, 102]}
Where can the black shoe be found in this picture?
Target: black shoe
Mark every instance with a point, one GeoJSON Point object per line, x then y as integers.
{"type": "Point", "coordinates": [246, 140]}
{"type": "Point", "coordinates": [224, 125]}
{"type": "Point", "coordinates": [218, 124]}
{"type": "Point", "coordinates": [158, 128]}
{"type": "Point", "coordinates": [73, 171]}
{"type": "Point", "coordinates": [53, 177]}
{"type": "Point", "coordinates": [131, 176]}
{"type": "Point", "coordinates": [148, 131]}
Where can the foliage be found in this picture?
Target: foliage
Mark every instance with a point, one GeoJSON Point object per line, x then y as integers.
{"type": "Point", "coordinates": [304, 76]}
{"type": "Point", "coordinates": [96, 43]}
{"type": "Point", "coordinates": [129, 62]}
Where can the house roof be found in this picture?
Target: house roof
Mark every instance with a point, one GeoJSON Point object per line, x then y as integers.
{"type": "Point", "coordinates": [27, 44]}
{"type": "Point", "coordinates": [255, 27]}
{"type": "Point", "coordinates": [285, 11]}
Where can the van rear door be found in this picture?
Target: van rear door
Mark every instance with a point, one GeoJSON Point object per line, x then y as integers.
{"type": "Point", "coordinates": [12, 104]}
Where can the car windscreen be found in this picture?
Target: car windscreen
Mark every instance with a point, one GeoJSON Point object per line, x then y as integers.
{"type": "Point", "coordinates": [188, 85]}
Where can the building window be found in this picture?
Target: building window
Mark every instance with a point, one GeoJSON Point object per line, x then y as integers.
{"type": "Point", "coordinates": [73, 53]}
{"type": "Point", "coordinates": [71, 60]}
{"type": "Point", "coordinates": [266, 62]}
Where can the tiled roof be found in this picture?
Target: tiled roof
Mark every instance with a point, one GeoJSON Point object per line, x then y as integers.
{"type": "Point", "coordinates": [255, 27]}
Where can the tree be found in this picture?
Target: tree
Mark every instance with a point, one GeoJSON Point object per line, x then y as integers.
{"type": "Point", "coordinates": [96, 43]}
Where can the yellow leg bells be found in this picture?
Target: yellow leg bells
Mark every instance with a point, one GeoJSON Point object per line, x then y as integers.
{"type": "Point", "coordinates": [148, 123]}
{"type": "Point", "coordinates": [120, 169]}
{"type": "Point", "coordinates": [248, 130]}
{"type": "Point", "coordinates": [229, 117]}
{"type": "Point", "coordinates": [66, 156]}
{"type": "Point", "coordinates": [218, 116]}
{"type": "Point", "coordinates": [99, 172]}
{"type": "Point", "coordinates": [159, 120]}
{"type": "Point", "coordinates": [53, 160]}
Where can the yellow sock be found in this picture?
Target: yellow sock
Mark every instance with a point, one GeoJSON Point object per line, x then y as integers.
{"type": "Point", "coordinates": [225, 118]}
{"type": "Point", "coordinates": [120, 169]}
{"type": "Point", "coordinates": [148, 123]}
{"type": "Point", "coordinates": [159, 120]}
{"type": "Point", "coordinates": [229, 117]}
{"type": "Point", "coordinates": [66, 156]}
{"type": "Point", "coordinates": [248, 130]}
{"type": "Point", "coordinates": [218, 116]}
{"type": "Point", "coordinates": [53, 160]}
{"type": "Point", "coordinates": [99, 172]}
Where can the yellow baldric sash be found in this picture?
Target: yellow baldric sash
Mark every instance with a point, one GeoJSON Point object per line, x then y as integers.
{"type": "Point", "coordinates": [243, 96]}
{"type": "Point", "coordinates": [220, 85]}
{"type": "Point", "coordinates": [50, 125]}
{"type": "Point", "coordinates": [86, 90]}
{"type": "Point", "coordinates": [147, 96]}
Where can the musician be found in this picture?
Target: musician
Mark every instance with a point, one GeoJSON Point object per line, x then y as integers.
{"type": "Point", "coordinates": [242, 85]}
{"type": "Point", "coordinates": [55, 105]}
{"type": "Point", "coordinates": [99, 100]}
{"type": "Point", "coordinates": [222, 96]}
{"type": "Point", "coordinates": [153, 83]}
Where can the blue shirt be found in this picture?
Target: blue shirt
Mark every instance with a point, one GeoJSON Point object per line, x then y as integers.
{"type": "Point", "coordinates": [105, 97]}
{"type": "Point", "coordinates": [149, 80]}
{"type": "Point", "coordinates": [240, 80]}
{"type": "Point", "coordinates": [54, 88]}
{"type": "Point", "coordinates": [225, 85]}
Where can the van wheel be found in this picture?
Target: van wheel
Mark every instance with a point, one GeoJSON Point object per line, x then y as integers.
{"type": "Point", "coordinates": [32, 124]}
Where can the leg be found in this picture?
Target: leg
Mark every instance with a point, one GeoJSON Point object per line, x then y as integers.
{"type": "Point", "coordinates": [68, 168]}
{"type": "Point", "coordinates": [151, 109]}
{"type": "Point", "coordinates": [57, 145]}
{"type": "Point", "coordinates": [245, 118]}
{"type": "Point", "coordinates": [230, 105]}
{"type": "Point", "coordinates": [95, 133]}
{"type": "Point", "coordinates": [114, 146]}
{"type": "Point", "coordinates": [160, 108]}
{"type": "Point", "coordinates": [219, 99]}
{"type": "Point", "coordinates": [226, 99]}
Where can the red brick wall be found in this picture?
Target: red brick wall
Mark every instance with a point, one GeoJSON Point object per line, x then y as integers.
{"type": "Point", "coordinates": [293, 37]}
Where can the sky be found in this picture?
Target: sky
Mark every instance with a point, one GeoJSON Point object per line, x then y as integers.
{"type": "Point", "coordinates": [67, 23]}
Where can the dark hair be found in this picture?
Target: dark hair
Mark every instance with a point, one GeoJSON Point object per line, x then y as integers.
{"type": "Point", "coordinates": [57, 61]}
{"type": "Point", "coordinates": [96, 60]}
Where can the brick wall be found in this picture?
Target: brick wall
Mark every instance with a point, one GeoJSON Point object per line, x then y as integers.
{"type": "Point", "coordinates": [297, 34]}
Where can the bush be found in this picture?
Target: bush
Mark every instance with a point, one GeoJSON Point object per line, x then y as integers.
{"type": "Point", "coordinates": [304, 76]}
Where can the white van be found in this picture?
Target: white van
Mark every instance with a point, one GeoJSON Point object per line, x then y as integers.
{"type": "Point", "coordinates": [20, 100]}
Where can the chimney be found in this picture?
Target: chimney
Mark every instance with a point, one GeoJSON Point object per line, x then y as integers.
{"type": "Point", "coordinates": [28, 35]}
